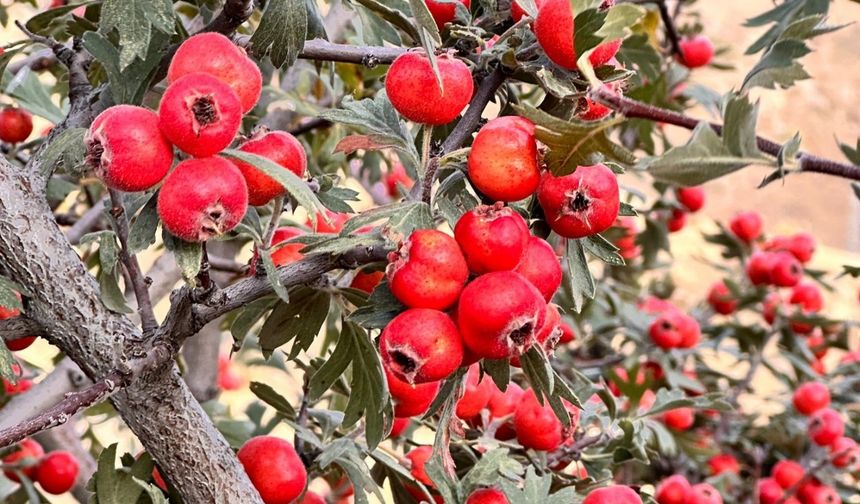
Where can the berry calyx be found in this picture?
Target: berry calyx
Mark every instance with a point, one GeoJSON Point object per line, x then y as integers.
{"type": "Point", "coordinates": [214, 54]}
{"type": "Point", "coordinates": [421, 345]}
{"type": "Point", "coordinates": [487, 496]}
{"type": "Point", "coordinates": [492, 238]}
{"type": "Point", "coordinates": [202, 199]}
{"type": "Point", "coordinates": [826, 426]}
{"type": "Point", "coordinates": [289, 252]}
{"type": "Point", "coordinates": [127, 150]}
{"type": "Point", "coordinates": [583, 203]}
{"type": "Point", "coordinates": [541, 267]}
{"type": "Point", "coordinates": [279, 147]}
{"type": "Point", "coordinates": [673, 490]}
{"type": "Point", "coordinates": [537, 426]}
{"type": "Point", "coordinates": [747, 226]}
{"type": "Point", "coordinates": [696, 51]}
{"type": "Point", "coordinates": [199, 114]}
{"type": "Point", "coordinates": [275, 469]}
{"type": "Point", "coordinates": [428, 270]}
{"type": "Point", "coordinates": [410, 400]}
{"type": "Point", "coordinates": [614, 494]}
{"type": "Point", "coordinates": [811, 397]}
{"type": "Point", "coordinates": [444, 12]}
{"type": "Point", "coordinates": [414, 91]}
{"type": "Point", "coordinates": [57, 472]}
{"type": "Point", "coordinates": [721, 300]}
{"type": "Point", "coordinates": [15, 125]}
{"type": "Point", "coordinates": [503, 163]}
{"type": "Point", "coordinates": [691, 198]}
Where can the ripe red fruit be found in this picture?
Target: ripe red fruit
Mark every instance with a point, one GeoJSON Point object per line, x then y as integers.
{"type": "Point", "coordinates": [275, 469]}
{"type": "Point", "coordinates": [399, 427]}
{"type": "Point", "coordinates": [279, 147]}
{"type": "Point", "coordinates": [335, 224]}
{"type": "Point", "coordinates": [676, 221]}
{"type": "Point", "coordinates": [769, 491]}
{"type": "Point", "coordinates": [499, 315]}
{"type": "Point", "coordinates": [537, 426]}
{"type": "Point", "coordinates": [158, 480]}
{"type": "Point", "coordinates": [704, 493]}
{"type": "Point", "coordinates": [692, 198]}
{"type": "Point", "coordinates": [427, 270]}
{"type": "Point", "coordinates": [592, 111]}
{"type": "Point", "coordinates": [202, 199]}
{"type": "Point", "coordinates": [811, 397]}
{"type": "Point", "coordinates": [29, 454]}
{"type": "Point", "coordinates": [747, 226]}
{"type": "Point", "coordinates": [476, 394]}
{"type": "Point", "coordinates": [759, 268]}
{"type": "Point", "coordinates": [541, 267]}
{"type": "Point", "coordinates": [696, 51]}
{"type": "Point", "coordinates": [673, 329]}
{"type": "Point", "coordinates": [410, 400]}
{"type": "Point", "coordinates": [550, 332]}
{"type": "Point", "coordinates": [228, 379]}
{"type": "Point", "coordinates": [802, 246]}
{"type": "Point", "coordinates": [418, 458]}
{"type": "Point", "coordinates": [567, 334]}
{"type": "Point", "coordinates": [199, 114]}
{"type": "Point", "coordinates": [57, 472]}
{"type": "Point", "coordinates": [614, 494]}
{"type": "Point", "coordinates": [214, 54]}
{"type": "Point", "coordinates": [826, 426]}
{"type": "Point", "coordinates": [504, 404]}
{"type": "Point", "coordinates": [413, 90]}
{"type": "Point", "coordinates": [673, 490]}
{"type": "Point", "coordinates": [126, 149]}
{"type": "Point", "coordinates": [421, 345]}
{"type": "Point", "coordinates": [19, 344]}
{"type": "Point", "coordinates": [820, 494]}
{"type": "Point", "coordinates": [444, 12]}
{"type": "Point", "coordinates": [289, 253]}
{"type": "Point", "coordinates": [492, 238]}
{"type": "Point", "coordinates": [724, 463]}
{"type": "Point", "coordinates": [817, 343]}
{"type": "Point", "coordinates": [807, 295]}
{"type": "Point", "coordinates": [366, 280]}
{"type": "Point", "coordinates": [15, 124]}
{"type": "Point", "coordinates": [582, 203]}
{"type": "Point", "coordinates": [679, 419]}
{"type": "Point", "coordinates": [786, 270]}
{"type": "Point", "coordinates": [720, 299]}
{"type": "Point", "coordinates": [312, 498]}
{"type": "Point", "coordinates": [396, 179]}
{"type": "Point", "coordinates": [503, 163]}
{"type": "Point", "coordinates": [517, 11]}
{"type": "Point", "coordinates": [554, 30]}
{"type": "Point", "coordinates": [487, 496]}
{"type": "Point", "coordinates": [845, 453]}
{"type": "Point", "coordinates": [627, 242]}
{"type": "Point", "coordinates": [786, 473]}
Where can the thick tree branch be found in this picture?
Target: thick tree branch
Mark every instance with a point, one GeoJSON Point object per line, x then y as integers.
{"type": "Point", "coordinates": [231, 17]}
{"type": "Point", "coordinates": [632, 108]}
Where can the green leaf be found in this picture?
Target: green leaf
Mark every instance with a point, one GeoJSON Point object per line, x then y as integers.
{"type": "Point", "coordinates": [248, 317]}
{"type": "Point", "coordinates": [111, 485]}
{"type": "Point", "coordinates": [282, 31]}
{"type": "Point", "coordinates": [348, 456]}
{"type": "Point", "coordinates": [6, 361]}
{"type": "Point", "coordinates": [67, 148]}
{"type": "Point", "coordinates": [601, 248]}
{"type": "Point", "coordinates": [587, 23]}
{"type": "Point", "coordinates": [301, 317]}
{"type": "Point", "coordinates": [134, 21]}
{"type": "Point", "coordinates": [112, 296]}
{"type": "Point", "coordinates": [428, 33]}
{"type": "Point", "coordinates": [380, 309]}
{"type": "Point", "coordinates": [268, 395]}
{"type": "Point", "coordinates": [32, 95]}
{"type": "Point", "coordinates": [581, 283]}
{"type": "Point", "coordinates": [272, 274]}
{"type": "Point", "coordinates": [9, 292]}
{"type": "Point", "coordinates": [141, 232]}
{"type": "Point", "coordinates": [778, 66]}
{"type": "Point", "coordinates": [332, 369]}
{"type": "Point", "coordinates": [494, 465]}
{"type": "Point", "coordinates": [188, 256]}
{"type": "Point", "coordinates": [369, 390]}
{"type": "Point", "coordinates": [638, 52]}
{"type": "Point", "coordinates": [128, 84]}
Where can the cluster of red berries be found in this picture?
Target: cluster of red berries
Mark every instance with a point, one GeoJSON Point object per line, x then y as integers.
{"type": "Point", "coordinates": [56, 471]}
{"type": "Point", "coordinates": [676, 489]}
{"type": "Point", "coordinates": [672, 328]}
{"type": "Point", "coordinates": [826, 427]}
{"type": "Point", "coordinates": [690, 200]}
{"type": "Point", "coordinates": [211, 84]}
{"type": "Point", "coordinates": [15, 125]}
{"type": "Point", "coordinates": [789, 483]}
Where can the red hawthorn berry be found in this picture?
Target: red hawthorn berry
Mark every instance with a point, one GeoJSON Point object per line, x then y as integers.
{"type": "Point", "coordinates": [817, 343]}
{"type": "Point", "coordinates": [396, 179]}
{"type": "Point", "coordinates": [786, 270]}
{"type": "Point", "coordinates": [214, 54]}
{"type": "Point", "coordinates": [504, 404]}
{"type": "Point", "coordinates": [126, 149]}
{"type": "Point", "coordinates": [613, 494]}
{"type": "Point", "coordinates": [476, 394]}
{"type": "Point", "coordinates": [504, 162]}
{"type": "Point", "coordinates": [275, 469]}
{"type": "Point", "coordinates": [850, 357]}
{"type": "Point", "coordinates": [786, 473]}
{"type": "Point", "coordinates": [826, 426]}
{"type": "Point", "coordinates": [676, 221]}
{"type": "Point", "coordinates": [444, 12]}
{"type": "Point", "coordinates": [807, 297]}
{"type": "Point", "coordinates": [280, 147]}
{"type": "Point", "coordinates": [592, 110]}
{"type": "Point", "coordinates": [428, 270]}
{"type": "Point", "coordinates": [414, 91]}
{"type": "Point", "coordinates": [399, 427]}
{"type": "Point", "coordinates": [199, 114]}
{"type": "Point", "coordinates": [15, 125]}
{"type": "Point", "coordinates": [537, 426]}
{"type": "Point", "coordinates": [771, 305]}
{"type": "Point", "coordinates": [366, 280]}
{"type": "Point", "coordinates": [227, 378]}
{"type": "Point", "coordinates": [541, 267]}
{"type": "Point", "coordinates": [679, 419]}
{"type": "Point", "coordinates": [410, 400]}
{"type": "Point", "coordinates": [724, 463]}
{"type": "Point", "coordinates": [821, 494]}
{"type": "Point", "coordinates": [691, 198]}
{"type": "Point", "coordinates": [57, 472]}
{"type": "Point", "coordinates": [517, 11]}
{"type": "Point", "coordinates": [655, 306]}
{"type": "Point", "coordinates": [202, 199]}
{"type": "Point", "coordinates": [696, 51]}
{"type": "Point", "coordinates": [289, 253]}
{"type": "Point", "coordinates": [492, 238]}
{"type": "Point", "coordinates": [421, 345]}
{"type": "Point", "coordinates": [704, 493]}
{"type": "Point", "coordinates": [18, 344]}
{"type": "Point", "coordinates": [673, 329]}
{"type": "Point", "coordinates": [747, 226]}
{"type": "Point", "coordinates": [768, 491]}
{"type": "Point", "coordinates": [499, 314]}
{"type": "Point", "coordinates": [760, 267]}
{"type": "Point", "coordinates": [802, 246]}
{"type": "Point", "coordinates": [554, 30]}
{"type": "Point", "coordinates": [335, 223]}
{"type": "Point", "coordinates": [158, 480]}
{"type": "Point", "coordinates": [627, 242]}
{"type": "Point", "coordinates": [567, 334]}
{"type": "Point", "coordinates": [673, 490]}
{"type": "Point", "coordinates": [28, 455]}
{"type": "Point", "coordinates": [418, 458]}
{"type": "Point", "coordinates": [691, 333]}
{"type": "Point", "coordinates": [487, 496]}
{"type": "Point", "coordinates": [312, 498]}
{"type": "Point", "coordinates": [550, 332]}
{"type": "Point", "coordinates": [721, 300]}
{"type": "Point", "coordinates": [811, 397]}
{"type": "Point", "coordinates": [583, 203]}
{"type": "Point", "coordinates": [845, 453]}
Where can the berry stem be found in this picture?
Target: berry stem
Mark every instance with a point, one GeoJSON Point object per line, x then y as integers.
{"type": "Point", "coordinates": [671, 30]}
{"type": "Point", "coordinates": [277, 210]}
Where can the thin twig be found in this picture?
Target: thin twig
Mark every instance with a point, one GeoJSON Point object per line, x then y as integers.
{"type": "Point", "coordinates": [88, 221]}
{"type": "Point", "coordinates": [203, 278]}
{"type": "Point", "coordinates": [671, 30]}
{"type": "Point", "coordinates": [226, 265]}
{"type": "Point", "coordinates": [308, 126]}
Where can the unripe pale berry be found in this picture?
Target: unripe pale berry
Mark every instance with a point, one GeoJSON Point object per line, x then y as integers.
{"type": "Point", "coordinates": [614, 494]}
{"type": "Point", "coordinates": [57, 472]}
{"type": "Point", "coordinates": [444, 12]}
{"type": "Point", "coordinates": [126, 149]}
{"type": "Point", "coordinates": [476, 394]}
{"type": "Point", "coordinates": [673, 490]}
{"type": "Point", "coordinates": [427, 270]}
{"type": "Point", "coordinates": [697, 51]}
{"type": "Point", "coordinates": [724, 463]}
{"type": "Point", "coordinates": [826, 426]}
{"type": "Point", "coordinates": [275, 469]}
{"type": "Point", "coordinates": [15, 124]}
{"type": "Point", "coordinates": [692, 198]}
{"type": "Point", "coordinates": [492, 238]}
{"type": "Point", "coordinates": [279, 147]}
{"type": "Point", "coordinates": [786, 473]}
{"type": "Point", "coordinates": [214, 54]}
{"type": "Point", "coordinates": [199, 114]}
{"type": "Point", "coordinates": [290, 252]}
{"type": "Point", "coordinates": [786, 270]}
{"type": "Point", "coordinates": [503, 163]}
{"type": "Point", "coordinates": [541, 267]}
{"type": "Point", "coordinates": [583, 203]}
{"type": "Point", "coordinates": [410, 400]}
{"type": "Point", "coordinates": [747, 226]}
{"type": "Point", "coordinates": [537, 426]}
{"type": "Point", "coordinates": [554, 29]}
{"type": "Point", "coordinates": [679, 419]}
{"type": "Point", "coordinates": [202, 199]}
{"type": "Point", "coordinates": [30, 453]}
{"type": "Point", "coordinates": [421, 346]}
{"type": "Point", "coordinates": [704, 493]}
{"type": "Point", "coordinates": [414, 91]}
{"type": "Point", "coordinates": [721, 300]}
{"type": "Point", "coordinates": [487, 496]}
{"type": "Point", "coordinates": [499, 314]}
{"type": "Point", "coordinates": [811, 397]}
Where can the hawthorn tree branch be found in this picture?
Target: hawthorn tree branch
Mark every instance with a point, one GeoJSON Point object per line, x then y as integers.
{"type": "Point", "coordinates": [308, 126]}
{"type": "Point", "coordinates": [232, 16]}
{"type": "Point", "coordinates": [671, 30]}
{"type": "Point", "coordinates": [37, 61]}
{"type": "Point", "coordinates": [19, 327]}
{"type": "Point", "coordinates": [65, 378]}
{"type": "Point", "coordinates": [86, 222]}
{"type": "Point", "coordinates": [369, 56]}
{"type": "Point", "coordinates": [632, 108]}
